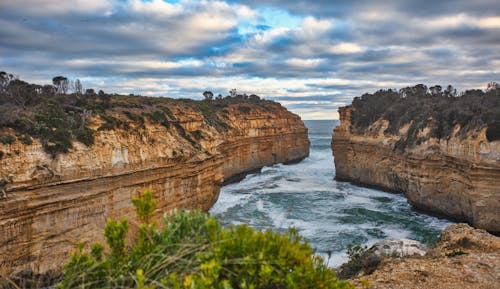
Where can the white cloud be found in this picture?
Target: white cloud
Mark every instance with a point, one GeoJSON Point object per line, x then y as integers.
{"type": "Point", "coordinates": [460, 20]}
{"type": "Point", "coordinates": [51, 7]}
{"type": "Point", "coordinates": [156, 7]}
{"type": "Point", "coordinates": [304, 63]}
{"type": "Point", "coordinates": [345, 48]}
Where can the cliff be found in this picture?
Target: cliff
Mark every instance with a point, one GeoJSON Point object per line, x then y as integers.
{"type": "Point", "coordinates": [452, 171]}
{"type": "Point", "coordinates": [180, 149]}
{"type": "Point", "coordinates": [463, 257]}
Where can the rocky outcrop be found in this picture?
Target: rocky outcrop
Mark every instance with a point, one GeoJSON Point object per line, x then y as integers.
{"type": "Point", "coordinates": [458, 177]}
{"type": "Point", "coordinates": [398, 248]}
{"type": "Point", "coordinates": [52, 203]}
{"type": "Point", "coordinates": [463, 257]}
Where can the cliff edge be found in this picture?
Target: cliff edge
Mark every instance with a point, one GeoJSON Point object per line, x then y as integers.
{"type": "Point", "coordinates": [69, 162]}
{"type": "Point", "coordinates": [440, 150]}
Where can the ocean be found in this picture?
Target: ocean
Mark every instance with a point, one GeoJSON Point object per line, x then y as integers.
{"type": "Point", "coordinates": [329, 214]}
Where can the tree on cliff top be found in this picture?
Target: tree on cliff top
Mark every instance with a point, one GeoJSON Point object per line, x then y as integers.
{"type": "Point", "coordinates": [434, 108]}
{"type": "Point", "coordinates": [208, 95]}
{"type": "Point", "coordinates": [61, 84]}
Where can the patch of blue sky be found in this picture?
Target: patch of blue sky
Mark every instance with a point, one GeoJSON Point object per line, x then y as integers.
{"type": "Point", "coordinates": [269, 18]}
{"type": "Point", "coordinates": [278, 18]}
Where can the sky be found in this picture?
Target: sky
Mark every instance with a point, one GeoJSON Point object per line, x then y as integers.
{"type": "Point", "coordinates": [312, 56]}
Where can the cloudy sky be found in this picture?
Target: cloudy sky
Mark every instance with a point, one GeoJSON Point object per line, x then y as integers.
{"type": "Point", "coordinates": [312, 56]}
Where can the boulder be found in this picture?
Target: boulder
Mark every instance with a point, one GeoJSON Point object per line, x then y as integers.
{"type": "Point", "coordinates": [398, 248]}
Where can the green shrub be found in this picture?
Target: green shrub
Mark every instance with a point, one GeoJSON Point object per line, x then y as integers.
{"type": "Point", "coordinates": [158, 117]}
{"type": "Point", "coordinates": [110, 122]}
{"type": "Point", "coordinates": [358, 260]}
{"type": "Point", "coordinates": [26, 139]}
{"type": "Point", "coordinates": [244, 109]}
{"type": "Point", "coordinates": [59, 141]}
{"type": "Point", "coordinates": [182, 132]}
{"type": "Point", "coordinates": [423, 107]}
{"type": "Point", "coordinates": [168, 112]}
{"type": "Point", "coordinates": [1, 154]}
{"type": "Point", "coordinates": [195, 251]}
{"type": "Point", "coordinates": [208, 112]}
{"type": "Point", "coordinates": [455, 253]}
{"type": "Point", "coordinates": [197, 134]}
{"type": "Point", "coordinates": [7, 139]}
{"type": "Point", "coordinates": [85, 136]}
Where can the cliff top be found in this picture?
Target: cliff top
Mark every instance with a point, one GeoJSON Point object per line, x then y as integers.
{"type": "Point", "coordinates": [419, 108]}
{"type": "Point", "coordinates": [56, 117]}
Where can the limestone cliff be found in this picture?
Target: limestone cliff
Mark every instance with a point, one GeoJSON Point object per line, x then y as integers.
{"type": "Point", "coordinates": [457, 176]}
{"type": "Point", "coordinates": [50, 203]}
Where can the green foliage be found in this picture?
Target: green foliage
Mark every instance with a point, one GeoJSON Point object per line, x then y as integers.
{"type": "Point", "coordinates": [115, 233]}
{"type": "Point", "coordinates": [182, 132]}
{"type": "Point", "coordinates": [85, 136]}
{"type": "Point", "coordinates": [358, 260]}
{"type": "Point", "coordinates": [167, 111]}
{"type": "Point", "coordinates": [195, 251]}
{"type": "Point", "coordinates": [421, 107]}
{"type": "Point", "coordinates": [208, 111]}
{"type": "Point", "coordinates": [110, 122]}
{"type": "Point", "coordinates": [57, 118]}
{"type": "Point", "coordinates": [144, 206]}
{"type": "Point", "coordinates": [158, 116]}
{"type": "Point", "coordinates": [244, 109]}
{"type": "Point", "coordinates": [455, 253]}
{"type": "Point", "coordinates": [7, 139]}
{"type": "Point", "coordinates": [197, 134]}
{"type": "Point", "coordinates": [25, 139]}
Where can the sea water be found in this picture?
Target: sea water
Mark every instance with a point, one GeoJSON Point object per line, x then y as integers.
{"type": "Point", "coordinates": [329, 214]}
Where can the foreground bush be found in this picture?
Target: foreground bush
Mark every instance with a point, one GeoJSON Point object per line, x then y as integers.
{"type": "Point", "coordinates": [194, 251]}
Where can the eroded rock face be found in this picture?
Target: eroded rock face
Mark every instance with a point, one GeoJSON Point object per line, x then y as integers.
{"type": "Point", "coordinates": [463, 257]}
{"type": "Point", "coordinates": [457, 177]}
{"type": "Point", "coordinates": [52, 204]}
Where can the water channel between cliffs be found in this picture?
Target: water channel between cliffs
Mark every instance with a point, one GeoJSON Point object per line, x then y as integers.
{"type": "Point", "coordinates": [329, 214]}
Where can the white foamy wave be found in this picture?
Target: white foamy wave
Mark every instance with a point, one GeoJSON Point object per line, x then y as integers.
{"type": "Point", "coordinates": [227, 201]}
{"type": "Point", "coordinates": [329, 214]}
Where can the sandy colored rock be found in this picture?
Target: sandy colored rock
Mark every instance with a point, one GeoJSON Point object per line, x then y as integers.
{"type": "Point", "coordinates": [52, 204]}
{"type": "Point", "coordinates": [457, 177]}
{"type": "Point", "coordinates": [452, 264]}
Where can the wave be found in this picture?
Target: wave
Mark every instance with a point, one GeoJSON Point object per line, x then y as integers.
{"type": "Point", "coordinates": [329, 214]}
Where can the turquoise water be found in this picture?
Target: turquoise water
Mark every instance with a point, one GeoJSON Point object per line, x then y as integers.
{"type": "Point", "coordinates": [329, 214]}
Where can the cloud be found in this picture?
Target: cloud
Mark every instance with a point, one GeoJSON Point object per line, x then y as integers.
{"type": "Point", "coordinates": [311, 55]}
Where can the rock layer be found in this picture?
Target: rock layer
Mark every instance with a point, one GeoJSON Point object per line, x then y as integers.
{"type": "Point", "coordinates": [49, 205]}
{"type": "Point", "coordinates": [457, 177]}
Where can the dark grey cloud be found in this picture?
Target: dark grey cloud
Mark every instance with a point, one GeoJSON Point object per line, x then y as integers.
{"type": "Point", "coordinates": [339, 49]}
{"type": "Point", "coordinates": [343, 8]}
